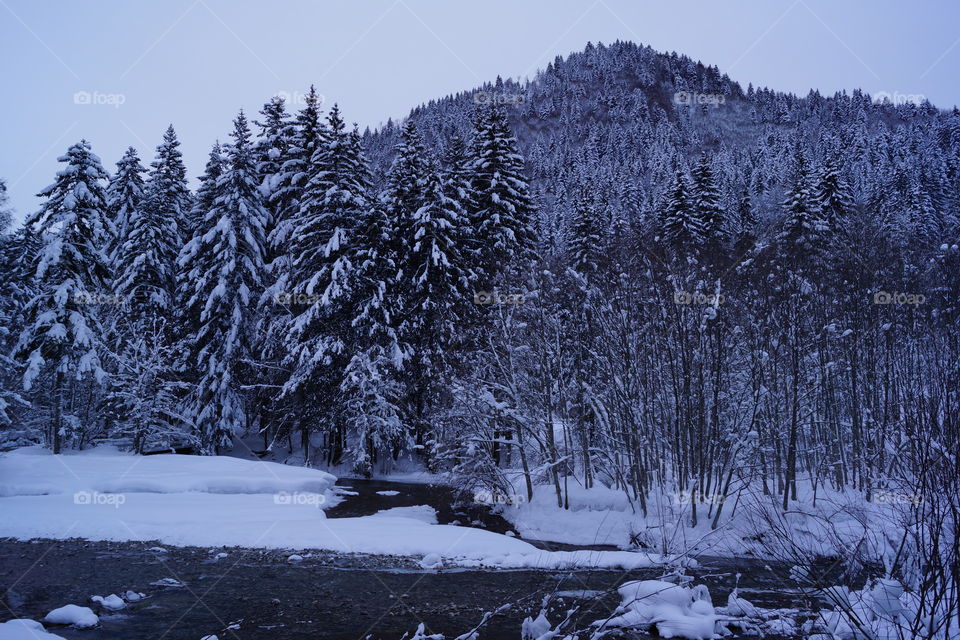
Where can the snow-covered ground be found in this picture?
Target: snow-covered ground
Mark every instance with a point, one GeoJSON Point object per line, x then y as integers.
{"type": "Point", "coordinates": [103, 494]}
{"type": "Point", "coordinates": [604, 516]}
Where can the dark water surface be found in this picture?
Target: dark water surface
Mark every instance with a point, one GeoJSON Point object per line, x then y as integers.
{"type": "Point", "coordinates": [254, 594]}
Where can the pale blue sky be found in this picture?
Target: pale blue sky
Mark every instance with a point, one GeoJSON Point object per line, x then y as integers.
{"type": "Point", "coordinates": [196, 62]}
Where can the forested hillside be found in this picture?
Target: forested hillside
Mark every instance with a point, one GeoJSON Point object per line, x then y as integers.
{"type": "Point", "coordinates": [630, 270]}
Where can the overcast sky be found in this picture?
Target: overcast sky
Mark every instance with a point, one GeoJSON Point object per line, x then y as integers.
{"type": "Point", "coordinates": [117, 72]}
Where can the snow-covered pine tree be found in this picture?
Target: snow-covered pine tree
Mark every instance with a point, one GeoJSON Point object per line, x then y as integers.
{"type": "Point", "coordinates": [125, 195]}
{"type": "Point", "coordinates": [586, 240]}
{"type": "Point", "coordinates": [679, 224]}
{"type": "Point", "coordinates": [61, 337]}
{"type": "Point", "coordinates": [333, 202]}
{"type": "Point", "coordinates": [503, 219]}
{"type": "Point", "coordinates": [187, 321]}
{"type": "Point", "coordinates": [224, 268]}
{"type": "Point", "coordinates": [833, 195]}
{"type": "Point", "coordinates": [456, 174]}
{"type": "Point", "coordinates": [144, 262]}
{"type": "Point", "coordinates": [706, 201]}
{"type": "Point", "coordinates": [166, 193]}
{"type": "Point", "coordinates": [18, 252]}
{"type": "Point", "coordinates": [288, 185]}
{"type": "Point", "coordinates": [273, 149]}
{"type": "Point", "coordinates": [804, 225]}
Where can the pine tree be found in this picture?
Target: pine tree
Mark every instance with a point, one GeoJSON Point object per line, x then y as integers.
{"type": "Point", "coordinates": [679, 224]}
{"type": "Point", "coordinates": [804, 225]}
{"type": "Point", "coordinates": [272, 149]}
{"type": "Point", "coordinates": [707, 206]}
{"type": "Point", "coordinates": [586, 241]}
{"type": "Point", "coordinates": [456, 174]}
{"type": "Point", "coordinates": [334, 201]}
{"type": "Point", "coordinates": [144, 264]}
{"type": "Point", "coordinates": [289, 183]}
{"type": "Point", "coordinates": [224, 267]}
{"type": "Point", "coordinates": [62, 330]}
{"type": "Point", "coordinates": [166, 194]}
{"type": "Point", "coordinates": [833, 195]}
{"type": "Point", "coordinates": [504, 214]}
{"type": "Point", "coordinates": [125, 195]}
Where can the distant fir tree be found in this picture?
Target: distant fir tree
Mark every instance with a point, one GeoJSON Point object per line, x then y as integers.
{"type": "Point", "coordinates": [504, 214]}
{"type": "Point", "coordinates": [706, 201]}
{"type": "Point", "coordinates": [833, 195]}
{"type": "Point", "coordinates": [224, 268]}
{"type": "Point", "coordinates": [166, 192]}
{"type": "Point", "coordinates": [804, 226]}
{"type": "Point", "coordinates": [61, 337]}
{"type": "Point", "coordinates": [586, 241]}
{"type": "Point", "coordinates": [680, 226]}
{"type": "Point", "coordinates": [125, 195]}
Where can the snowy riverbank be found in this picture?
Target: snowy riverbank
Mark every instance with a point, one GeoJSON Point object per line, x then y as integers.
{"type": "Point", "coordinates": [103, 494]}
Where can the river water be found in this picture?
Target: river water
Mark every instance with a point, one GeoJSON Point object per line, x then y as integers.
{"type": "Point", "coordinates": [254, 594]}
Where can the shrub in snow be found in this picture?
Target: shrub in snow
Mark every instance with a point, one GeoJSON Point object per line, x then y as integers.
{"type": "Point", "coordinates": [80, 617]}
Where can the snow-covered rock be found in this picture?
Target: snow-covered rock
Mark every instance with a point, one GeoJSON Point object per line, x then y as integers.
{"type": "Point", "coordinates": [80, 617]}
{"type": "Point", "coordinates": [677, 612]}
{"type": "Point", "coordinates": [112, 602]}
{"type": "Point", "coordinates": [431, 561]}
{"type": "Point", "coordinates": [294, 557]}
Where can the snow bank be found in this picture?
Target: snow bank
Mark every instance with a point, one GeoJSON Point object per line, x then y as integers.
{"type": "Point", "coordinates": [23, 629]}
{"type": "Point", "coordinates": [80, 617]}
{"type": "Point", "coordinates": [223, 502]}
{"type": "Point", "coordinates": [35, 471]}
